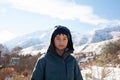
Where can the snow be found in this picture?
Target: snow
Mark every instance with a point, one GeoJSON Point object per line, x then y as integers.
{"type": "Point", "coordinates": [96, 73]}
{"type": "Point", "coordinates": [83, 42]}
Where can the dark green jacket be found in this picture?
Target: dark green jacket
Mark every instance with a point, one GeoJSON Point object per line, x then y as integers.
{"type": "Point", "coordinates": [54, 67]}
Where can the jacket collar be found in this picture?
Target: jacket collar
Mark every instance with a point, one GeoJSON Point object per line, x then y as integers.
{"type": "Point", "coordinates": [67, 52]}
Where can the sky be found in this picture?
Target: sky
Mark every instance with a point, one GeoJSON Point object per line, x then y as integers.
{"type": "Point", "coordinates": [19, 17]}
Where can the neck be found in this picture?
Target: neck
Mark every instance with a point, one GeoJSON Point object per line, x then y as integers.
{"type": "Point", "coordinates": [60, 52]}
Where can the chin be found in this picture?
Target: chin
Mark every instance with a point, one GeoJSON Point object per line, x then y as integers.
{"type": "Point", "coordinates": [61, 48]}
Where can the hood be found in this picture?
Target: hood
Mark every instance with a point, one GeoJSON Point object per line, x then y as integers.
{"type": "Point", "coordinates": [61, 30]}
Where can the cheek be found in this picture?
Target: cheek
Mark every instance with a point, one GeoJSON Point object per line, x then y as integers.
{"type": "Point", "coordinates": [56, 43]}
{"type": "Point", "coordinates": [66, 43]}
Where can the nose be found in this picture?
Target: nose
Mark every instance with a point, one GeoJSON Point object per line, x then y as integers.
{"type": "Point", "coordinates": [61, 41]}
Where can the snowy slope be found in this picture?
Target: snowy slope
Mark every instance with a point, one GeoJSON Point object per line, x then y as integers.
{"type": "Point", "coordinates": [105, 34]}
{"type": "Point", "coordinates": [39, 40]}
{"type": "Point", "coordinates": [28, 40]}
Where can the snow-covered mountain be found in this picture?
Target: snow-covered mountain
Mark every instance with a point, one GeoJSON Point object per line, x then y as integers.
{"type": "Point", "coordinates": [105, 34]}
{"type": "Point", "coordinates": [28, 40]}
{"type": "Point", "coordinates": [35, 41]}
{"type": "Point", "coordinates": [40, 40]}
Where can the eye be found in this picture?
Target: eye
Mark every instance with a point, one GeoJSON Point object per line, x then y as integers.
{"type": "Point", "coordinates": [57, 38]}
{"type": "Point", "coordinates": [65, 39]}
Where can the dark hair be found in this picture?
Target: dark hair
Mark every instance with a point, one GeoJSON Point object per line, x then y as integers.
{"type": "Point", "coordinates": [61, 30]}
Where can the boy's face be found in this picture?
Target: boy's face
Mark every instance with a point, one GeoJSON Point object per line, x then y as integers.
{"type": "Point", "coordinates": [61, 41]}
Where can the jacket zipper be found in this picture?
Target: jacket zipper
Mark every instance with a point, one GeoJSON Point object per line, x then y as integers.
{"type": "Point", "coordinates": [65, 65]}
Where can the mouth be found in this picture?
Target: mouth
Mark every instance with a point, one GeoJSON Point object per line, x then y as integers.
{"type": "Point", "coordinates": [61, 45]}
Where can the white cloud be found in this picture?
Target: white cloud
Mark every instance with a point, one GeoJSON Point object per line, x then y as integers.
{"type": "Point", "coordinates": [62, 9]}
{"type": "Point", "coordinates": [5, 36]}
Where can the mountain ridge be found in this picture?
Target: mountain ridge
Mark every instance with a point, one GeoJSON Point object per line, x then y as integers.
{"type": "Point", "coordinates": [39, 40]}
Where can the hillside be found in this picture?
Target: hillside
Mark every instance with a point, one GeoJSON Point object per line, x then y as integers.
{"type": "Point", "coordinates": [39, 40]}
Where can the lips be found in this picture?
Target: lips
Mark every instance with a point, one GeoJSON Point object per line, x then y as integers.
{"type": "Point", "coordinates": [61, 45]}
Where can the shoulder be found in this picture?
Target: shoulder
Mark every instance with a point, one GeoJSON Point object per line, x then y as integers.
{"type": "Point", "coordinates": [41, 59]}
{"type": "Point", "coordinates": [72, 57]}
